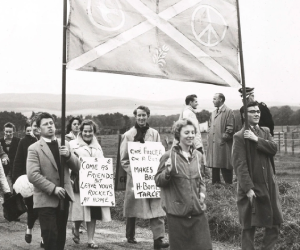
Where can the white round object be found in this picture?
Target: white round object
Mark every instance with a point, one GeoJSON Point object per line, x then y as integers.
{"type": "Point", "coordinates": [23, 186]}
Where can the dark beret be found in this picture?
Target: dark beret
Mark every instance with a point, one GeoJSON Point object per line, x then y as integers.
{"type": "Point", "coordinates": [248, 90]}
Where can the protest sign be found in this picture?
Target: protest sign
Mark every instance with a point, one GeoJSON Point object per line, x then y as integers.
{"type": "Point", "coordinates": [96, 182]}
{"type": "Point", "coordinates": [144, 161]}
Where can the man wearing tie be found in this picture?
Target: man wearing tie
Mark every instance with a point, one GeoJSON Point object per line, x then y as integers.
{"type": "Point", "coordinates": [220, 132]}
{"type": "Point", "coordinates": [258, 194]}
{"type": "Point", "coordinates": [43, 171]}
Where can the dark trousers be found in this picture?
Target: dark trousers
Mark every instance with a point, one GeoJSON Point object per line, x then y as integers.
{"type": "Point", "coordinates": [269, 240]}
{"type": "Point", "coordinates": [53, 224]}
{"type": "Point", "coordinates": [32, 214]}
{"type": "Point", "coordinates": [157, 226]}
{"type": "Point", "coordinates": [226, 173]}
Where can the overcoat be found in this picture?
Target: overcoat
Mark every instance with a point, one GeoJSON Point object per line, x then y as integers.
{"type": "Point", "coordinates": [260, 176]}
{"type": "Point", "coordinates": [11, 153]}
{"type": "Point", "coordinates": [140, 208]}
{"type": "Point", "coordinates": [80, 148]}
{"type": "Point", "coordinates": [220, 132]}
{"type": "Point", "coordinates": [42, 172]}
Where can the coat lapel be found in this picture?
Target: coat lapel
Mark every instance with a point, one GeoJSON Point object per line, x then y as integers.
{"type": "Point", "coordinates": [46, 150]}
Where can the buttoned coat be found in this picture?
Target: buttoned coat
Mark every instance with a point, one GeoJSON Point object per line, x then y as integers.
{"type": "Point", "coordinates": [220, 133]}
{"type": "Point", "coordinates": [11, 153]}
{"type": "Point", "coordinates": [43, 173]}
{"type": "Point", "coordinates": [140, 208]}
{"type": "Point", "coordinates": [266, 208]}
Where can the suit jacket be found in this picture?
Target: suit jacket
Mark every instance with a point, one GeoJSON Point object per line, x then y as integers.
{"type": "Point", "coordinates": [43, 173]}
{"type": "Point", "coordinates": [11, 153]}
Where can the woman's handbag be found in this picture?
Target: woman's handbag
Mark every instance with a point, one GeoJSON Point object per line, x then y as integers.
{"type": "Point", "coordinates": [14, 207]}
{"type": "Point", "coordinates": [75, 178]}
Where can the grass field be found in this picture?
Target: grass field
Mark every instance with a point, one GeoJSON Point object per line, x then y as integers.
{"type": "Point", "coordinates": [221, 200]}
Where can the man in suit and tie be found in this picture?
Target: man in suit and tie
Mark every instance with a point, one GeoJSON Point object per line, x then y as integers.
{"type": "Point", "coordinates": [220, 132]}
{"type": "Point", "coordinates": [43, 171]}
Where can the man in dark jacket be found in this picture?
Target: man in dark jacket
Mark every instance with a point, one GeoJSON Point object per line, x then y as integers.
{"type": "Point", "coordinates": [266, 119]}
{"type": "Point", "coordinates": [258, 197]}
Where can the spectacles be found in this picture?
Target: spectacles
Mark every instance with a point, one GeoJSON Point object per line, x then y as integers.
{"type": "Point", "coordinates": [254, 111]}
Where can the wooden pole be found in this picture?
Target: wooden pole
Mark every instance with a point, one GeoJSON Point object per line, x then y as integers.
{"type": "Point", "coordinates": [63, 94]}
{"type": "Point", "coordinates": [244, 88]}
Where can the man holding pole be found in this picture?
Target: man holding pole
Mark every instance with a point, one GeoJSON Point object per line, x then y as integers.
{"type": "Point", "coordinates": [44, 172]}
{"type": "Point", "coordinates": [258, 196]}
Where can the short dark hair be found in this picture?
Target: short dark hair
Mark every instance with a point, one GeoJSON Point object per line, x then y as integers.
{"type": "Point", "coordinates": [190, 98]}
{"type": "Point", "coordinates": [41, 116]}
{"type": "Point", "coordinates": [249, 104]}
{"type": "Point", "coordinates": [146, 109]}
{"type": "Point", "coordinates": [179, 125]}
{"type": "Point", "coordinates": [221, 96]}
{"type": "Point", "coordinates": [88, 122]}
{"type": "Point", "coordinates": [9, 125]}
{"type": "Point", "coordinates": [69, 125]}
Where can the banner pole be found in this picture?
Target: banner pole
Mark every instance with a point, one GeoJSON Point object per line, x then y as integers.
{"type": "Point", "coordinates": [63, 101]}
{"type": "Point", "coordinates": [243, 87]}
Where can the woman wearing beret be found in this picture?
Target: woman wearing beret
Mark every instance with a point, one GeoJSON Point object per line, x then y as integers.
{"type": "Point", "coordinates": [183, 192]}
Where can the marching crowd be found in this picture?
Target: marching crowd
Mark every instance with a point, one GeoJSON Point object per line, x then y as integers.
{"type": "Point", "coordinates": [181, 176]}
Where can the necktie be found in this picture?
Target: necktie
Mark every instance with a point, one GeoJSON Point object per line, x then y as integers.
{"type": "Point", "coordinates": [217, 110]}
{"type": "Point", "coordinates": [256, 130]}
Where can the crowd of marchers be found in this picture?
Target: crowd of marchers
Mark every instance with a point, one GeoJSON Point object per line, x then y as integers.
{"type": "Point", "coordinates": [181, 176]}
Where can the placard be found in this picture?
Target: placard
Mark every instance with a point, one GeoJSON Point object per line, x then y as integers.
{"type": "Point", "coordinates": [144, 161]}
{"type": "Point", "coordinates": [96, 182]}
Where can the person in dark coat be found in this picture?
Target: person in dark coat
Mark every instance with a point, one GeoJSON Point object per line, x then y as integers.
{"type": "Point", "coordinates": [258, 195]}
{"type": "Point", "coordinates": [266, 119]}
{"type": "Point", "coordinates": [19, 169]}
{"type": "Point", "coordinates": [10, 145]}
{"type": "Point", "coordinates": [183, 191]}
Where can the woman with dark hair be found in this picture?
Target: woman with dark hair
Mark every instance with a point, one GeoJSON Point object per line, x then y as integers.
{"type": "Point", "coordinates": [86, 145]}
{"type": "Point", "coordinates": [183, 191]}
{"type": "Point", "coordinates": [73, 128]}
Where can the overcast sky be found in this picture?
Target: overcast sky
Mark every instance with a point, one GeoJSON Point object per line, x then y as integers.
{"type": "Point", "coordinates": [31, 48]}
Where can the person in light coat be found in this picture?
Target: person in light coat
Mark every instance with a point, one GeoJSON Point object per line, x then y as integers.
{"type": "Point", "coordinates": [86, 145]}
{"type": "Point", "coordinates": [141, 208]}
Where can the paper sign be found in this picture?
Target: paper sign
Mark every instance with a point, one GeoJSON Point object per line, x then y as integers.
{"type": "Point", "coordinates": [144, 161]}
{"type": "Point", "coordinates": [96, 182]}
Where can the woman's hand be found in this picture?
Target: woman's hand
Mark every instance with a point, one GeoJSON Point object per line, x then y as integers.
{"type": "Point", "coordinates": [168, 168]}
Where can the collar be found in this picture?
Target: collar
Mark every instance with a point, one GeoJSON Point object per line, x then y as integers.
{"type": "Point", "coordinates": [48, 140]}
{"type": "Point", "coordinates": [31, 133]}
{"type": "Point", "coordinates": [5, 137]}
{"type": "Point", "coordinates": [254, 127]}
{"type": "Point", "coordinates": [190, 108]}
{"type": "Point", "coordinates": [93, 144]}
{"type": "Point", "coordinates": [220, 107]}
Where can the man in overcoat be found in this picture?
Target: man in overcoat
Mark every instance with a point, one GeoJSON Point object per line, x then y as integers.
{"type": "Point", "coordinates": [141, 208]}
{"type": "Point", "coordinates": [220, 131]}
{"type": "Point", "coordinates": [43, 170]}
{"type": "Point", "coordinates": [258, 196]}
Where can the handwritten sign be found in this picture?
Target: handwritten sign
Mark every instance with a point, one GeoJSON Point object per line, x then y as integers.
{"type": "Point", "coordinates": [144, 161]}
{"type": "Point", "coordinates": [96, 182]}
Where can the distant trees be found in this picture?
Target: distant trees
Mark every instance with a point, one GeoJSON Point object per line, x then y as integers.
{"type": "Point", "coordinates": [17, 119]}
{"type": "Point", "coordinates": [285, 116]}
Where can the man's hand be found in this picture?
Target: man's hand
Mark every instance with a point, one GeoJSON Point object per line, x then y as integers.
{"type": "Point", "coordinates": [60, 192]}
{"type": "Point", "coordinates": [250, 195]}
{"type": "Point", "coordinates": [5, 161]}
{"type": "Point", "coordinates": [63, 150]}
{"type": "Point", "coordinates": [248, 134]}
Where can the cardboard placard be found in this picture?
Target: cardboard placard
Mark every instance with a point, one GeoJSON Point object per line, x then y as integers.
{"type": "Point", "coordinates": [96, 182]}
{"type": "Point", "coordinates": [144, 161]}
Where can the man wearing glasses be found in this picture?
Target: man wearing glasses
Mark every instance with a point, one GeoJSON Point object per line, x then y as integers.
{"type": "Point", "coordinates": [258, 197]}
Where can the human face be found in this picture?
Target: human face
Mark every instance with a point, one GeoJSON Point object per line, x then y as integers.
{"type": "Point", "coordinates": [217, 101]}
{"type": "Point", "coordinates": [253, 118]}
{"type": "Point", "coordinates": [47, 128]}
{"type": "Point", "coordinates": [87, 133]}
{"type": "Point", "coordinates": [194, 103]}
{"type": "Point", "coordinates": [75, 126]}
{"type": "Point", "coordinates": [28, 130]}
{"type": "Point", "coordinates": [141, 117]}
{"type": "Point", "coordinates": [35, 129]}
{"type": "Point", "coordinates": [187, 135]}
{"type": "Point", "coordinates": [9, 133]}
{"type": "Point", "coordinates": [251, 98]}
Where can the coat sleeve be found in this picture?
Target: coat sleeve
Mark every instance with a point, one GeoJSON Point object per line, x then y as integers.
{"type": "Point", "coordinates": [229, 127]}
{"type": "Point", "coordinates": [160, 177]}
{"type": "Point", "coordinates": [239, 162]}
{"type": "Point", "coordinates": [124, 157]}
{"type": "Point", "coordinates": [3, 180]}
{"type": "Point", "coordinates": [268, 145]}
{"type": "Point", "coordinates": [72, 162]}
{"type": "Point", "coordinates": [3, 155]}
{"type": "Point", "coordinates": [34, 172]}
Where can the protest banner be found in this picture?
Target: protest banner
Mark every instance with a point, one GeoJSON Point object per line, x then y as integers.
{"type": "Point", "coordinates": [144, 161]}
{"type": "Point", "coordinates": [96, 182]}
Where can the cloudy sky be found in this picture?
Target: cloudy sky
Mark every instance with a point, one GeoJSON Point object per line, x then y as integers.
{"type": "Point", "coordinates": [31, 48]}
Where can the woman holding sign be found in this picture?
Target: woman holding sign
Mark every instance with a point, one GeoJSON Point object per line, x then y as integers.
{"type": "Point", "coordinates": [183, 191]}
{"type": "Point", "coordinates": [86, 145]}
{"type": "Point", "coordinates": [141, 208]}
